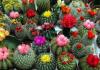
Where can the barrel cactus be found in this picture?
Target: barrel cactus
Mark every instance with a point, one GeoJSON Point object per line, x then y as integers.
{"type": "Point", "coordinates": [42, 5]}
{"type": "Point", "coordinates": [45, 61]}
{"type": "Point", "coordinates": [90, 62]}
{"type": "Point", "coordinates": [5, 58]}
{"type": "Point", "coordinates": [60, 44]}
{"type": "Point", "coordinates": [40, 44]}
{"type": "Point", "coordinates": [66, 61]}
{"type": "Point", "coordinates": [24, 57]}
{"type": "Point", "coordinates": [79, 50]}
{"type": "Point", "coordinates": [48, 16]}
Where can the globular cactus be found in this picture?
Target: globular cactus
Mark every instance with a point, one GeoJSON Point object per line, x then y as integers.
{"type": "Point", "coordinates": [46, 61]}
{"type": "Point", "coordinates": [66, 61]}
{"type": "Point", "coordinates": [24, 57]}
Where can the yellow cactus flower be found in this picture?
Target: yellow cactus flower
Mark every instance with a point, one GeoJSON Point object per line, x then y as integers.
{"type": "Point", "coordinates": [2, 25]}
{"type": "Point", "coordinates": [45, 58]}
{"type": "Point", "coordinates": [47, 14]}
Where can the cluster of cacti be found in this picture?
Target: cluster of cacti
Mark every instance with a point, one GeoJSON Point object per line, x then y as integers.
{"type": "Point", "coordinates": [48, 34]}
{"type": "Point", "coordinates": [46, 61]}
{"type": "Point", "coordinates": [66, 61]}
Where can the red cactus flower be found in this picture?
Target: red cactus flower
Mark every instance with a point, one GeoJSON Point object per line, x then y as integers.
{"type": "Point", "coordinates": [30, 13]}
{"type": "Point", "coordinates": [91, 35]}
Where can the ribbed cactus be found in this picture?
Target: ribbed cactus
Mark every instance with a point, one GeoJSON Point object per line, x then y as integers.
{"type": "Point", "coordinates": [42, 5]}
{"type": "Point", "coordinates": [24, 57]}
{"type": "Point", "coordinates": [90, 62]}
{"type": "Point", "coordinates": [5, 59]}
{"type": "Point", "coordinates": [45, 61]}
{"type": "Point", "coordinates": [40, 44]}
{"type": "Point", "coordinates": [48, 17]}
{"type": "Point", "coordinates": [60, 44]}
{"type": "Point", "coordinates": [66, 61]}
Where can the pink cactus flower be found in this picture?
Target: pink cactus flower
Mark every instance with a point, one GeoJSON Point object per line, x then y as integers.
{"type": "Point", "coordinates": [23, 48]}
{"type": "Point", "coordinates": [4, 53]}
{"type": "Point", "coordinates": [14, 15]}
{"type": "Point", "coordinates": [88, 24]}
{"type": "Point", "coordinates": [61, 40]}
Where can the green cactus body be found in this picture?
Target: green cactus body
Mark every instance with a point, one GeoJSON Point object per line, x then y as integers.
{"type": "Point", "coordinates": [42, 5]}
{"type": "Point", "coordinates": [57, 49]}
{"type": "Point", "coordinates": [97, 27]}
{"type": "Point", "coordinates": [45, 61]}
{"type": "Point", "coordinates": [98, 40]}
{"type": "Point", "coordinates": [24, 61]}
{"type": "Point", "coordinates": [20, 32]}
{"type": "Point", "coordinates": [66, 61]}
{"type": "Point", "coordinates": [6, 64]}
{"type": "Point", "coordinates": [51, 18]}
{"type": "Point", "coordinates": [85, 66]}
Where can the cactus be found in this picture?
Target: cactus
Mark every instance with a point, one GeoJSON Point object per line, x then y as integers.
{"type": "Point", "coordinates": [40, 44]}
{"type": "Point", "coordinates": [48, 17]}
{"type": "Point", "coordinates": [90, 62]}
{"type": "Point", "coordinates": [5, 59]}
{"type": "Point", "coordinates": [60, 44]}
{"type": "Point", "coordinates": [66, 61]}
{"type": "Point", "coordinates": [98, 40]}
{"type": "Point", "coordinates": [24, 57]}
{"type": "Point", "coordinates": [45, 61]}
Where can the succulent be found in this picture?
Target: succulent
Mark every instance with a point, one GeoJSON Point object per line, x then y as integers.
{"type": "Point", "coordinates": [97, 27]}
{"type": "Point", "coordinates": [48, 30]}
{"type": "Point", "coordinates": [48, 17]}
{"type": "Point", "coordinates": [40, 44]}
{"type": "Point", "coordinates": [24, 57]}
{"type": "Point", "coordinates": [42, 5]}
{"type": "Point", "coordinates": [90, 62]}
{"type": "Point", "coordinates": [5, 58]}
{"type": "Point", "coordinates": [45, 61]}
{"type": "Point", "coordinates": [79, 50]}
{"type": "Point", "coordinates": [66, 61]}
{"type": "Point", "coordinates": [60, 44]}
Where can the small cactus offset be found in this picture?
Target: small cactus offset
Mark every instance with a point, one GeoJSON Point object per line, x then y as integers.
{"type": "Point", "coordinates": [5, 58]}
{"type": "Point", "coordinates": [40, 44]}
{"type": "Point", "coordinates": [46, 61]}
{"type": "Point", "coordinates": [66, 61]}
{"type": "Point", "coordinates": [48, 17]}
{"type": "Point", "coordinates": [24, 57]}
{"type": "Point", "coordinates": [60, 44]}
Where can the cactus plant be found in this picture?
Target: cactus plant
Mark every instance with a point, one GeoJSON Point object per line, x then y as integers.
{"type": "Point", "coordinates": [40, 44]}
{"type": "Point", "coordinates": [24, 57]}
{"type": "Point", "coordinates": [60, 44]}
{"type": "Point", "coordinates": [5, 58]}
{"type": "Point", "coordinates": [90, 62]}
{"type": "Point", "coordinates": [98, 40]}
{"type": "Point", "coordinates": [45, 61]}
{"type": "Point", "coordinates": [48, 17]}
{"type": "Point", "coordinates": [66, 61]}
